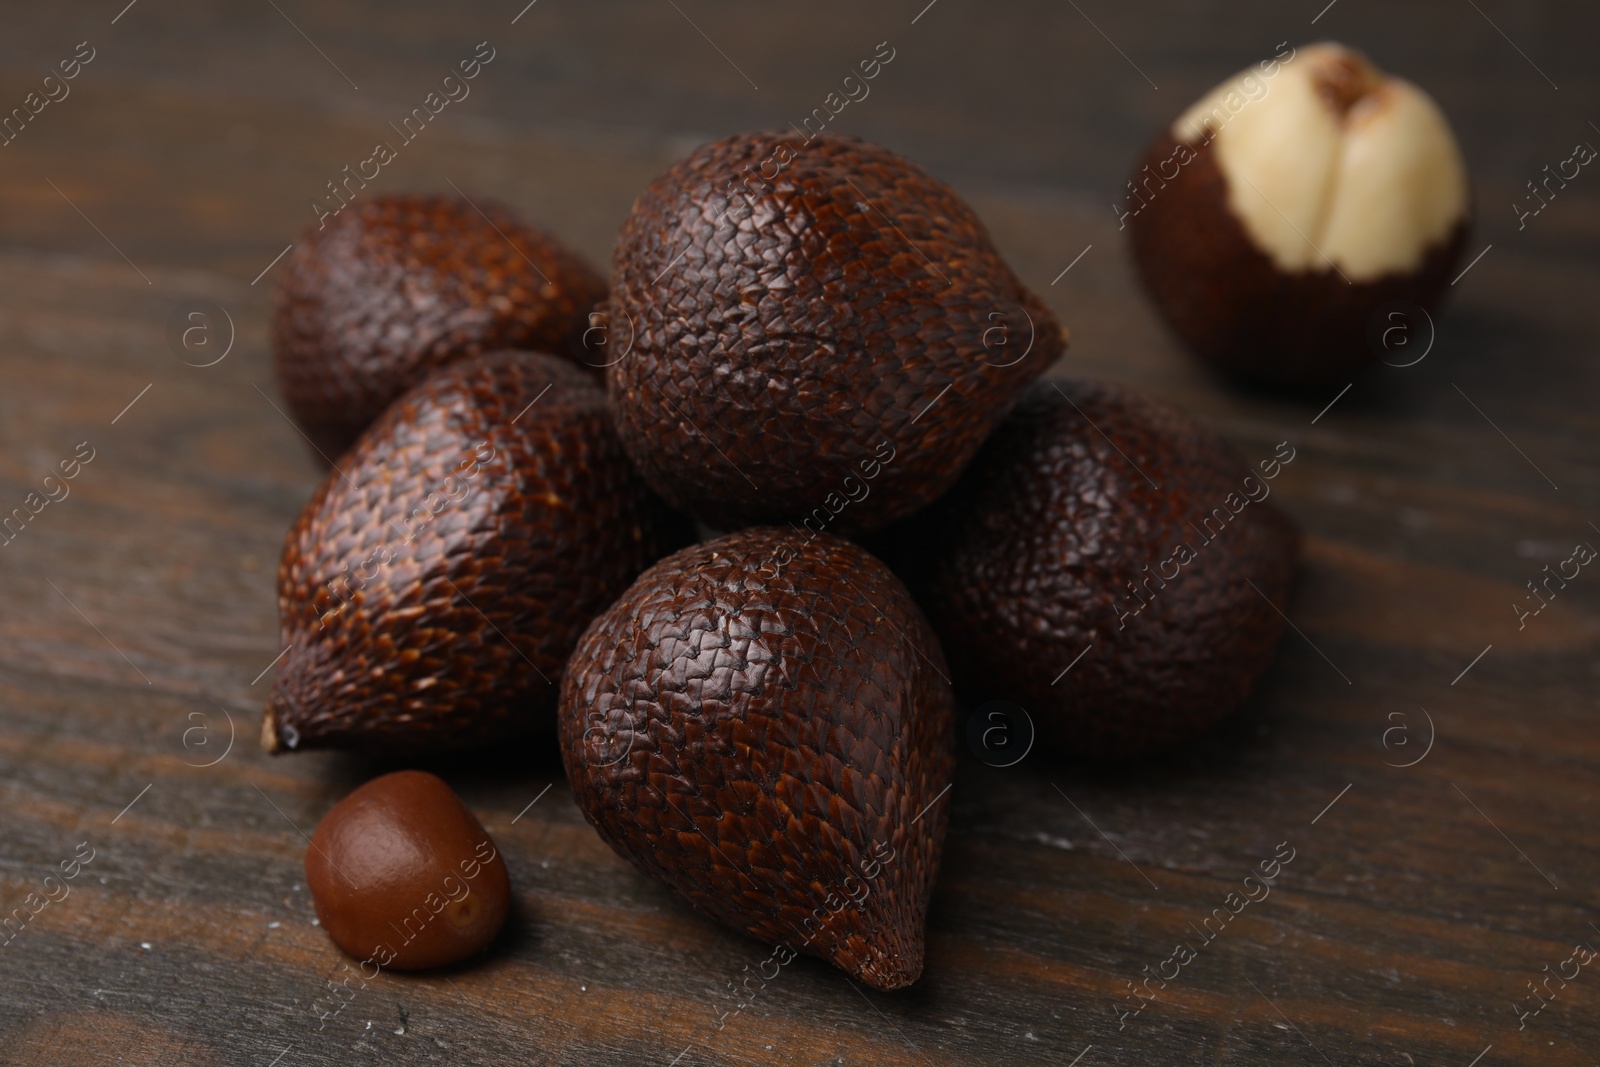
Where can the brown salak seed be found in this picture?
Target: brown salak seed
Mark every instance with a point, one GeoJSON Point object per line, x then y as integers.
{"type": "Point", "coordinates": [433, 587]}
{"type": "Point", "coordinates": [404, 876]}
{"type": "Point", "coordinates": [820, 332]}
{"type": "Point", "coordinates": [398, 285]}
{"type": "Point", "coordinates": [763, 723]}
{"type": "Point", "coordinates": [1102, 532]}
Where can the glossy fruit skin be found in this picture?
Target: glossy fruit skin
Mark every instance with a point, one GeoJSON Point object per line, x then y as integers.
{"type": "Point", "coordinates": [396, 286]}
{"type": "Point", "coordinates": [1241, 314]}
{"type": "Point", "coordinates": [433, 587]}
{"type": "Point", "coordinates": [763, 723]}
{"type": "Point", "coordinates": [783, 334]}
{"type": "Point", "coordinates": [1026, 564]}
{"type": "Point", "coordinates": [404, 876]}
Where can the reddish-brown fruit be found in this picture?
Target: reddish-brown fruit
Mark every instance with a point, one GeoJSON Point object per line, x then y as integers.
{"type": "Point", "coordinates": [1301, 219]}
{"type": "Point", "coordinates": [404, 876]}
{"type": "Point", "coordinates": [798, 310]}
{"type": "Point", "coordinates": [763, 723]}
{"type": "Point", "coordinates": [1109, 565]}
{"type": "Point", "coordinates": [1245, 317]}
{"type": "Point", "coordinates": [396, 286]}
{"type": "Point", "coordinates": [433, 587]}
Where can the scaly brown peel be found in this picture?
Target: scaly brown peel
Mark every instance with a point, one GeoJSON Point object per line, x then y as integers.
{"type": "Point", "coordinates": [1111, 566]}
{"type": "Point", "coordinates": [433, 587]}
{"type": "Point", "coordinates": [399, 285]}
{"type": "Point", "coordinates": [763, 723]}
{"type": "Point", "coordinates": [811, 323]}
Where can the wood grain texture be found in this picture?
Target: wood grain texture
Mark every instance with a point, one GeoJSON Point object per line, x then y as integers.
{"type": "Point", "coordinates": [140, 608]}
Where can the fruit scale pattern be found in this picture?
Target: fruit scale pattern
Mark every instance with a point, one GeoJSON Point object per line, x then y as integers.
{"type": "Point", "coordinates": [754, 736]}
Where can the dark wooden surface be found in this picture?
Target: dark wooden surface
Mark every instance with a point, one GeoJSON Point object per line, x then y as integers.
{"type": "Point", "coordinates": [136, 613]}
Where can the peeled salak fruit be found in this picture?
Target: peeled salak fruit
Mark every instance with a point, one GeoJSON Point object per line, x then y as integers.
{"type": "Point", "coordinates": [1302, 220]}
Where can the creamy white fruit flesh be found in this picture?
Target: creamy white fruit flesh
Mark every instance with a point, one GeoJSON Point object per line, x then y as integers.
{"type": "Point", "coordinates": [1330, 162]}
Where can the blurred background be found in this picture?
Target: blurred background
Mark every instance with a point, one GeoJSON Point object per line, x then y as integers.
{"type": "Point", "coordinates": [137, 613]}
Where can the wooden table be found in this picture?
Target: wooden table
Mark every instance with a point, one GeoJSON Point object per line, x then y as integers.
{"type": "Point", "coordinates": [138, 614]}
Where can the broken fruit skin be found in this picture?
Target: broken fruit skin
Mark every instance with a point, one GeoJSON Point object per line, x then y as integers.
{"type": "Point", "coordinates": [432, 588]}
{"type": "Point", "coordinates": [404, 876]}
{"type": "Point", "coordinates": [1275, 217]}
{"type": "Point", "coordinates": [763, 724]}
{"type": "Point", "coordinates": [394, 287]}
{"type": "Point", "coordinates": [797, 309]}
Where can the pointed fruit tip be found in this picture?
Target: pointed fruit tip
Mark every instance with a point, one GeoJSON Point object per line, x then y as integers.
{"type": "Point", "coordinates": [885, 963]}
